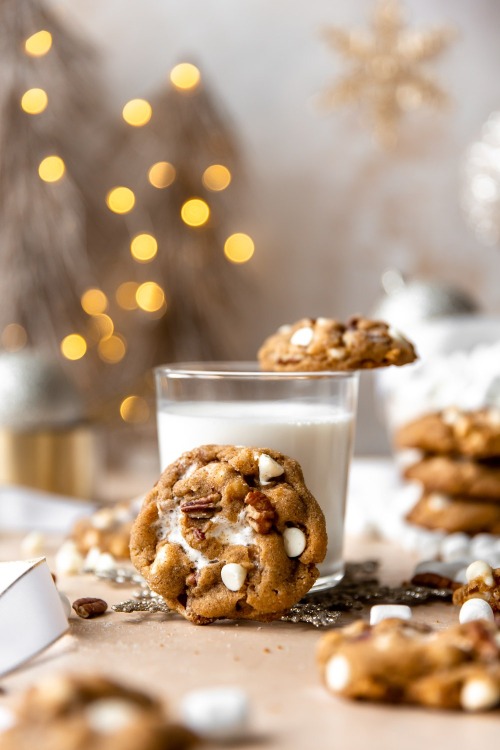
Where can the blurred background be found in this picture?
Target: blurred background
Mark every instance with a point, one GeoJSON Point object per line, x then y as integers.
{"type": "Point", "coordinates": [179, 179]}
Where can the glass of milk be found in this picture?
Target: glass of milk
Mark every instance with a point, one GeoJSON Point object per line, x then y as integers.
{"type": "Point", "coordinates": [307, 416]}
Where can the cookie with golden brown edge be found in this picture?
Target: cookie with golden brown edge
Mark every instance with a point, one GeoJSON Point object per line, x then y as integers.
{"type": "Point", "coordinates": [108, 529]}
{"type": "Point", "coordinates": [317, 344]}
{"type": "Point", "coordinates": [454, 475]}
{"type": "Point", "coordinates": [454, 431]}
{"type": "Point", "coordinates": [230, 532]}
{"type": "Point", "coordinates": [397, 661]}
{"type": "Point", "coordinates": [78, 712]}
{"type": "Point", "coordinates": [451, 514]}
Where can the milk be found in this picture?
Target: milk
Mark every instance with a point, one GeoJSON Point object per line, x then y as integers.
{"type": "Point", "coordinates": [319, 436]}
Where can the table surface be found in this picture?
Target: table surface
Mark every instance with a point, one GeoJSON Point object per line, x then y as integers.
{"type": "Point", "coordinates": [274, 663]}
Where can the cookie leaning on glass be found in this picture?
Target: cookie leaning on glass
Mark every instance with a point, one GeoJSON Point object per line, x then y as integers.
{"type": "Point", "coordinates": [317, 344]}
{"type": "Point", "coordinates": [230, 532]}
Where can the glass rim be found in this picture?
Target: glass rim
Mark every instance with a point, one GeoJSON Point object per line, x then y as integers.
{"type": "Point", "coordinates": [244, 370]}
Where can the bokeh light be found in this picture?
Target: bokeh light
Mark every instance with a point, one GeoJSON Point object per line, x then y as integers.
{"type": "Point", "coordinates": [161, 174]}
{"type": "Point", "coordinates": [125, 295]}
{"type": "Point", "coordinates": [216, 177]}
{"type": "Point", "coordinates": [150, 296]}
{"type": "Point", "coordinates": [14, 337]}
{"type": "Point", "coordinates": [120, 200]}
{"type": "Point", "coordinates": [239, 248]}
{"type": "Point", "coordinates": [185, 76]}
{"type": "Point", "coordinates": [94, 301]}
{"type": "Point", "coordinates": [73, 346]}
{"type": "Point", "coordinates": [144, 247]}
{"type": "Point", "coordinates": [104, 325]}
{"type": "Point", "coordinates": [134, 409]}
{"type": "Point", "coordinates": [38, 44]}
{"type": "Point", "coordinates": [34, 101]}
{"type": "Point", "coordinates": [51, 169]}
{"type": "Point", "coordinates": [195, 212]}
{"type": "Point", "coordinates": [112, 349]}
{"type": "Point", "coordinates": [137, 112]}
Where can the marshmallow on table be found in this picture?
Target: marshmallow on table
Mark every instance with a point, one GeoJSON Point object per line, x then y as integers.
{"type": "Point", "coordinates": [381, 612]}
{"type": "Point", "coordinates": [475, 609]}
{"type": "Point", "coordinates": [219, 713]}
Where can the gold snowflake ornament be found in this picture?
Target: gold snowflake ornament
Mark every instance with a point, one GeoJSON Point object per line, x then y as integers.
{"type": "Point", "coordinates": [387, 77]}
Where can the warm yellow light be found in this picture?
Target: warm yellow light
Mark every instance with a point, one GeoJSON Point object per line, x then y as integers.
{"type": "Point", "coordinates": [94, 301]}
{"type": "Point", "coordinates": [38, 44]}
{"type": "Point", "coordinates": [150, 296]}
{"type": "Point", "coordinates": [185, 76]}
{"type": "Point", "coordinates": [144, 247]}
{"type": "Point", "coordinates": [216, 177]}
{"type": "Point", "coordinates": [104, 324]}
{"type": "Point", "coordinates": [125, 295]}
{"type": "Point", "coordinates": [34, 101]}
{"type": "Point", "coordinates": [51, 169]}
{"type": "Point", "coordinates": [195, 212]}
{"type": "Point", "coordinates": [120, 200]}
{"type": "Point", "coordinates": [134, 409]}
{"type": "Point", "coordinates": [73, 346]}
{"type": "Point", "coordinates": [161, 174]}
{"type": "Point", "coordinates": [14, 337]}
{"type": "Point", "coordinates": [137, 112]}
{"type": "Point", "coordinates": [112, 349]}
{"type": "Point", "coordinates": [239, 248]}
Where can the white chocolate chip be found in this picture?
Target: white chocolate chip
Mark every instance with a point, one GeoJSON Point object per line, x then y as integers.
{"type": "Point", "coordinates": [294, 540]}
{"type": "Point", "coordinates": [233, 576]}
{"type": "Point", "coordinates": [451, 415]}
{"type": "Point", "coordinates": [219, 713]}
{"type": "Point", "coordinates": [68, 560]}
{"type": "Point", "coordinates": [91, 559]}
{"type": "Point", "coordinates": [437, 502]}
{"type": "Point", "coordinates": [66, 603]}
{"type": "Point", "coordinates": [480, 569]}
{"type": "Point", "coordinates": [103, 519]}
{"type": "Point", "coordinates": [381, 612]}
{"type": "Point", "coordinates": [111, 715]}
{"type": "Point", "coordinates": [33, 544]}
{"type": "Point", "coordinates": [105, 563]}
{"type": "Point", "coordinates": [268, 468]}
{"type": "Point", "coordinates": [302, 337]}
{"type": "Point", "coordinates": [337, 673]}
{"type": "Point", "coordinates": [285, 329]}
{"type": "Point", "coordinates": [494, 417]}
{"type": "Point", "coordinates": [336, 352]}
{"type": "Point", "coordinates": [479, 694]}
{"type": "Point", "coordinates": [475, 609]}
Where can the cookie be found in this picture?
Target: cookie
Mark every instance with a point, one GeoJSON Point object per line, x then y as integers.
{"type": "Point", "coordinates": [454, 431]}
{"type": "Point", "coordinates": [315, 344]}
{"type": "Point", "coordinates": [69, 712]}
{"type": "Point", "coordinates": [108, 529]}
{"type": "Point", "coordinates": [457, 476]}
{"type": "Point", "coordinates": [398, 661]}
{"type": "Point", "coordinates": [450, 514]}
{"type": "Point", "coordinates": [230, 532]}
{"type": "Point", "coordinates": [485, 585]}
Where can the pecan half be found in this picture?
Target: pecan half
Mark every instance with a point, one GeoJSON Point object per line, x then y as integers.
{"type": "Point", "coordinates": [202, 507]}
{"type": "Point", "coordinates": [260, 513]}
{"type": "Point", "coordinates": [88, 607]}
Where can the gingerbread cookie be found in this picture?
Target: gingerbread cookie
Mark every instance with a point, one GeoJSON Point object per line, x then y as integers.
{"type": "Point", "coordinates": [451, 431]}
{"type": "Point", "coordinates": [316, 344]}
{"type": "Point", "coordinates": [108, 529]}
{"type": "Point", "coordinates": [397, 661]}
{"type": "Point", "coordinates": [82, 712]}
{"type": "Point", "coordinates": [483, 582]}
{"type": "Point", "coordinates": [457, 476]}
{"type": "Point", "coordinates": [450, 514]}
{"type": "Point", "coordinates": [230, 532]}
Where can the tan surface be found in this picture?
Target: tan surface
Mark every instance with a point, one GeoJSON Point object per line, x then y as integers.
{"type": "Point", "coordinates": [273, 662]}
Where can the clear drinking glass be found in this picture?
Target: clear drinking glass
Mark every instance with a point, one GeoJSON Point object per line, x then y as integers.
{"type": "Point", "coordinates": [308, 416]}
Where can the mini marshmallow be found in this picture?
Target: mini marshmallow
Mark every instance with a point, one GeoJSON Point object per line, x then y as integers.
{"type": "Point", "coordinates": [33, 544]}
{"type": "Point", "coordinates": [455, 547]}
{"type": "Point", "coordinates": [219, 713]}
{"type": "Point", "coordinates": [481, 546]}
{"type": "Point", "coordinates": [233, 576]}
{"type": "Point", "coordinates": [65, 602]}
{"type": "Point", "coordinates": [437, 502]}
{"type": "Point", "coordinates": [103, 519]}
{"type": "Point", "coordinates": [105, 562]}
{"type": "Point", "coordinates": [268, 468]}
{"type": "Point", "coordinates": [479, 694]}
{"type": "Point", "coordinates": [475, 609]}
{"type": "Point", "coordinates": [302, 336]}
{"type": "Point", "coordinates": [480, 569]}
{"type": "Point", "coordinates": [381, 612]}
{"type": "Point", "coordinates": [68, 560]}
{"type": "Point", "coordinates": [110, 715]}
{"type": "Point", "coordinates": [337, 673]}
{"type": "Point", "coordinates": [91, 559]}
{"type": "Point", "coordinates": [443, 569]}
{"type": "Point", "coordinates": [294, 540]}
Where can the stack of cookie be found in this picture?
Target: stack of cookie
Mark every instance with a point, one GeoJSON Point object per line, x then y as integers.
{"type": "Point", "coordinates": [459, 470]}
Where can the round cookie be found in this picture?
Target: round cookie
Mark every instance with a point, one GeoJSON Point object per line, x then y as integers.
{"type": "Point", "coordinates": [78, 712]}
{"type": "Point", "coordinates": [230, 532]}
{"type": "Point", "coordinates": [457, 476]}
{"type": "Point", "coordinates": [317, 344]}
{"type": "Point", "coordinates": [451, 431]}
{"type": "Point", "coordinates": [108, 529]}
{"type": "Point", "coordinates": [450, 514]}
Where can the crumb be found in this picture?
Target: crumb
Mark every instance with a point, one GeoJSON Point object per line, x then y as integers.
{"type": "Point", "coordinates": [267, 650]}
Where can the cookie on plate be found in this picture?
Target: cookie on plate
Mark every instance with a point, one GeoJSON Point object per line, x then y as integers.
{"type": "Point", "coordinates": [398, 661]}
{"type": "Point", "coordinates": [78, 712]}
{"type": "Point", "coordinates": [230, 532]}
{"type": "Point", "coordinates": [454, 431]}
{"type": "Point", "coordinates": [457, 476]}
{"type": "Point", "coordinates": [451, 514]}
{"type": "Point", "coordinates": [316, 344]}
